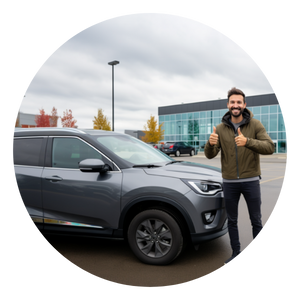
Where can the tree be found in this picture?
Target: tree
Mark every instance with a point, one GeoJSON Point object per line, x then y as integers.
{"type": "Point", "coordinates": [67, 119]}
{"type": "Point", "coordinates": [54, 117]}
{"type": "Point", "coordinates": [42, 120]}
{"type": "Point", "coordinates": [101, 121]}
{"type": "Point", "coordinates": [153, 133]}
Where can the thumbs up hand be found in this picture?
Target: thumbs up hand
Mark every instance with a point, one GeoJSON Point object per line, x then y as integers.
{"type": "Point", "coordinates": [240, 140]}
{"type": "Point", "coordinates": [214, 137]}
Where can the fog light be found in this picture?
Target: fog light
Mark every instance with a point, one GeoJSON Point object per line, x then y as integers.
{"type": "Point", "coordinates": [209, 217]}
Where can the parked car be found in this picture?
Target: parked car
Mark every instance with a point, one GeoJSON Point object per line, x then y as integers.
{"type": "Point", "coordinates": [178, 148]}
{"type": "Point", "coordinates": [106, 184]}
{"type": "Point", "coordinates": [158, 146]}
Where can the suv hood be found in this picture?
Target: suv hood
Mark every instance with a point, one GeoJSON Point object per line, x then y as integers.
{"type": "Point", "coordinates": [187, 170]}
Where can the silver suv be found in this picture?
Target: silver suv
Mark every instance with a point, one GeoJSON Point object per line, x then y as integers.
{"type": "Point", "coordinates": [105, 184]}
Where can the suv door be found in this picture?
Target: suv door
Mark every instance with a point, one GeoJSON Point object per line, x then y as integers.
{"type": "Point", "coordinates": [29, 161]}
{"type": "Point", "coordinates": [71, 197]}
{"type": "Point", "coordinates": [187, 148]}
{"type": "Point", "coordinates": [181, 147]}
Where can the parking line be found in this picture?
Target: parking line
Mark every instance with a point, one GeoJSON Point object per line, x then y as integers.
{"type": "Point", "coordinates": [271, 179]}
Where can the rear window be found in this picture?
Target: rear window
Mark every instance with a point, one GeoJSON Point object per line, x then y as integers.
{"type": "Point", "coordinates": [27, 151]}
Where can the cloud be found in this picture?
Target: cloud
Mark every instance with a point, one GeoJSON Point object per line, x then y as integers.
{"type": "Point", "coordinates": [164, 60]}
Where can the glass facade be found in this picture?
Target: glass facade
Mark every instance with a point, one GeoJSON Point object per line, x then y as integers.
{"type": "Point", "coordinates": [196, 127]}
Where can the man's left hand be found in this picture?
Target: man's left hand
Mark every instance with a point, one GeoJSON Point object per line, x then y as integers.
{"type": "Point", "coordinates": [240, 140]}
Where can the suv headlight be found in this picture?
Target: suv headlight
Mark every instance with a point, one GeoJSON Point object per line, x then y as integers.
{"type": "Point", "coordinates": [204, 187]}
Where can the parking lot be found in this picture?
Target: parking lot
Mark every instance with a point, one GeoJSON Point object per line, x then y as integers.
{"type": "Point", "coordinates": [113, 260]}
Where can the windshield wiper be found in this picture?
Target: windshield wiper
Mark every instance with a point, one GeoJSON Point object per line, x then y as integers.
{"type": "Point", "coordinates": [146, 166]}
{"type": "Point", "coordinates": [174, 162]}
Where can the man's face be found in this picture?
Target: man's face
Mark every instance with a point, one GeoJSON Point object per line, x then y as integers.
{"type": "Point", "coordinates": [236, 105]}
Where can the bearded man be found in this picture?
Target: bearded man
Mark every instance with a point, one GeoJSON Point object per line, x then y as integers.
{"type": "Point", "coordinates": [241, 139]}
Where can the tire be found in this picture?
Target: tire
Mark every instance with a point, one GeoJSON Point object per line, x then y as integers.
{"type": "Point", "coordinates": [177, 153]}
{"type": "Point", "coordinates": [155, 237]}
{"type": "Point", "coordinates": [192, 153]}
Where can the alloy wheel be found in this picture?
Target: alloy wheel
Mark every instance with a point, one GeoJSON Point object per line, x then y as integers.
{"type": "Point", "coordinates": [154, 238]}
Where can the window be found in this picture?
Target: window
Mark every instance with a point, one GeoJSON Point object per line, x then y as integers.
{"type": "Point", "coordinates": [184, 116]}
{"type": "Point", "coordinates": [265, 121]}
{"type": "Point", "coordinates": [265, 109]}
{"type": "Point", "coordinates": [27, 151]}
{"type": "Point", "coordinates": [281, 126]}
{"type": "Point", "coordinates": [273, 122]}
{"type": "Point", "coordinates": [202, 114]}
{"type": "Point", "coordinates": [256, 111]}
{"type": "Point", "coordinates": [190, 127]}
{"type": "Point", "coordinates": [178, 127]}
{"type": "Point", "coordinates": [273, 135]}
{"type": "Point", "coordinates": [173, 127]}
{"type": "Point", "coordinates": [216, 113]}
{"type": "Point", "coordinates": [196, 126]}
{"type": "Point", "coordinates": [68, 152]}
{"type": "Point", "coordinates": [273, 109]}
{"type": "Point", "coordinates": [184, 127]}
{"type": "Point", "coordinates": [282, 147]}
{"type": "Point", "coordinates": [167, 128]}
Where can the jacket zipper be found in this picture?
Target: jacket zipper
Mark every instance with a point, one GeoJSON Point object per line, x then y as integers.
{"type": "Point", "coordinates": [237, 161]}
{"type": "Point", "coordinates": [236, 149]}
{"type": "Point", "coordinates": [246, 121]}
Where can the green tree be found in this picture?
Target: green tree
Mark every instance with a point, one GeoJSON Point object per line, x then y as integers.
{"type": "Point", "coordinates": [153, 132]}
{"type": "Point", "coordinates": [101, 121]}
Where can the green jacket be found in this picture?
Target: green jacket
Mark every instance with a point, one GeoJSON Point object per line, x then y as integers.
{"type": "Point", "coordinates": [240, 162]}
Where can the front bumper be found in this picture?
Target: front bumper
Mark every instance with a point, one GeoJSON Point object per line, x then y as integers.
{"type": "Point", "coordinates": [198, 238]}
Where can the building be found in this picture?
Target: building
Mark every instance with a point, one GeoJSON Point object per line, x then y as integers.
{"type": "Point", "coordinates": [193, 122]}
{"type": "Point", "coordinates": [135, 133]}
{"type": "Point", "coordinates": [26, 120]}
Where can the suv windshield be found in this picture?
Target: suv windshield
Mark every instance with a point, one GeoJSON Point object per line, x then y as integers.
{"type": "Point", "coordinates": [133, 150]}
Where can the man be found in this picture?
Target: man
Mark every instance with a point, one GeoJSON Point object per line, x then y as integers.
{"type": "Point", "coordinates": [241, 140]}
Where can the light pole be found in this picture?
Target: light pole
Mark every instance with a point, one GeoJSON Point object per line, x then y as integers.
{"type": "Point", "coordinates": [113, 63]}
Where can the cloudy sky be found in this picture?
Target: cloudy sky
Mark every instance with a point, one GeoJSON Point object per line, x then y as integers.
{"type": "Point", "coordinates": [164, 60]}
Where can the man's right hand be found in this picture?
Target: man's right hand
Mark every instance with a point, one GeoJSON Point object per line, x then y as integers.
{"type": "Point", "coordinates": [213, 139]}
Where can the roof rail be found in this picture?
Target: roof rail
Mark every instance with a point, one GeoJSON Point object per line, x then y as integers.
{"type": "Point", "coordinates": [68, 129]}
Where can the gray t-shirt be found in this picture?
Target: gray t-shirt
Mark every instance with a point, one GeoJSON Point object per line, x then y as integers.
{"type": "Point", "coordinates": [235, 125]}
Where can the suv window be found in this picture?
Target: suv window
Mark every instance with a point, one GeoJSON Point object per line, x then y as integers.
{"type": "Point", "coordinates": [68, 152]}
{"type": "Point", "coordinates": [27, 151]}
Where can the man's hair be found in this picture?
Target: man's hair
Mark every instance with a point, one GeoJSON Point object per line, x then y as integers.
{"type": "Point", "coordinates": [235, 91]}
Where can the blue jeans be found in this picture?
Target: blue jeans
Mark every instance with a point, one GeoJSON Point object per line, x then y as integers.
{"type": "Point", "coordinates": [252, 195]}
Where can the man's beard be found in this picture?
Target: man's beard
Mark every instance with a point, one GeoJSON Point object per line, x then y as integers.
{"type": "Point", "coordinates": [236, 116]}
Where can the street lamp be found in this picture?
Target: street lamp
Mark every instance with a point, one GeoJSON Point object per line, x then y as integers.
{"type": "Point", "coordinates": [113, 63]}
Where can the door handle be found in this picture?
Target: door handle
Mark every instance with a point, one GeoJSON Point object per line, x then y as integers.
{"type": "Point", "coordinates": [54, 178]}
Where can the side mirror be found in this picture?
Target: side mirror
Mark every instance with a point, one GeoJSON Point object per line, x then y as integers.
{"type": "Point", "coordinates": [93, 165]}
